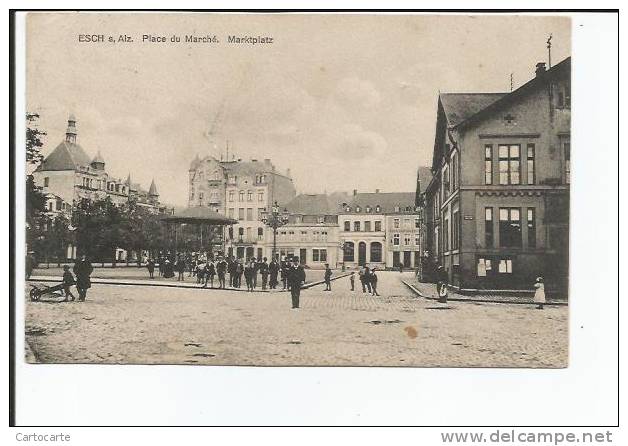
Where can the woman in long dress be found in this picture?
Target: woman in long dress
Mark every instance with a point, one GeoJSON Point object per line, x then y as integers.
{"type": "Point", "coordinates": [539, 293]}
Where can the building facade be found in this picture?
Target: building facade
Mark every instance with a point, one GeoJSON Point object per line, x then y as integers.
{"type": "Point", "coordinates": [498, 206]}
{"type": "Point", "coordinates": [311, 233]}
{"type": "Point", "coordinates": [381, 230]}
{"type": "Point", "coordinates": [69, 175]}
{"type": "Point", "coordinates": [241, 190]}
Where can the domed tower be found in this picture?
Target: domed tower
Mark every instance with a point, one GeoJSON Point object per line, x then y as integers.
{"type": "Point", "coordinates": [70, 133]}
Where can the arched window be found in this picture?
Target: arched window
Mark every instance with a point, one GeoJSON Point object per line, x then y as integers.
{"type": "Point", "coordinates": [358, 209]}
{"type": "Point", "coordinates": [378, 208]}
{"type": "Point", "coordinates": [376, 252]}
{"type": "Point", "coordinates": [349, 252]}
{"type": "Point", "coordinates": [368, 209]}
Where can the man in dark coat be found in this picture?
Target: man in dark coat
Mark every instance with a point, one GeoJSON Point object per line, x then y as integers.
{"type": "Point", "coordinates": [180, 267]}
{"type": "Point", "coordinates": [82, 270]}
{"type": "Point", "coordinates": [31, 263]}
{"type": "Point", "coordinates": [327, 277]}
{"type": "Point", "coordinates": [221, 270]}
{"type": "Point", "coordinates": [151, 268]}
{"type": "Point", "coordinates": [263, 269]}
{"type": "Point", "coordinates": [296, 278]}
{"type": "Point", "coordinates": [273, 269]}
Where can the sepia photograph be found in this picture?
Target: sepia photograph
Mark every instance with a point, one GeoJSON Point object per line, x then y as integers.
{"type": "Point", "coordinates": [212, 189]}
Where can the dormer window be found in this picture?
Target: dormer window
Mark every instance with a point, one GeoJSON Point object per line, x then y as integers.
{"type": "Point", "coordinates": [368, 209]}
{"type": "Point", "coordinates": [396, 208]}
{"type": "Point", "coordinates": [378, 208]}
{"type": "Point", "coordinates": [358, 209]}
{"type": "Point", "coordinates": [348, 209]}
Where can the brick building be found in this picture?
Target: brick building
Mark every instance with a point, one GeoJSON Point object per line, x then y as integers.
{"type": "Point", "coordinates": [497, 209]}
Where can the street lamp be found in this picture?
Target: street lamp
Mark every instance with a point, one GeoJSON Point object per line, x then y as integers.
{"type": "Point", "coordinates": [275, 219]}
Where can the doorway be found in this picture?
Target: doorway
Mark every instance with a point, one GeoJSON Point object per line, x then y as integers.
{"type": "Point", "coordinates": [362, 254]}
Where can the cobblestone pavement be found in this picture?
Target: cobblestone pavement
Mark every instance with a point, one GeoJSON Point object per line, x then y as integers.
{"type": "Point", "coordinates": [127, 324]}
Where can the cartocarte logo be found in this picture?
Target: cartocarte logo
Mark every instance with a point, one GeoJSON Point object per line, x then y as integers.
{"type": "Point", "coordinates": [42, 437]}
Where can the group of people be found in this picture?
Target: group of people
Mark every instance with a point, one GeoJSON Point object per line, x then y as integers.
{"type": "Point", "coordinates": [229, 270]}
{"type": "Point", "coordinates": [82, 270]}
{"type": "Point", "coordinates": [368, 280]}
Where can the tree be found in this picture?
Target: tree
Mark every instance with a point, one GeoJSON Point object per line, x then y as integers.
{"type": "Point", "coordinates": [35, 199]}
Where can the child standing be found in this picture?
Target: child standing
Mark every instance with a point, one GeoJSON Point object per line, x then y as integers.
{"type": "Point", "coordinates": [539, 294]}
{"type": "Point", "coordinates": [68, 281]}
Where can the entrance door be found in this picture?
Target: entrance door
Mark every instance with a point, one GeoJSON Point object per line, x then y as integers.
{"type": "Point", "coordinates": [303, 256]}
{"type": "Point", "coordinates": [407, 259]}
{"type": "Point", "coordinates": [250, 252]}
{"type": "Point", "coordinates": [362, 254]}
{"type": "Point", "coordinates": [240, 252]}
{"type": "Point", "coordinates": [396, 262]}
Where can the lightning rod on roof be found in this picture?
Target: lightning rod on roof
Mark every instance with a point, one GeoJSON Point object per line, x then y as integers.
{"type": "Point", "coordinates": [549, 51]}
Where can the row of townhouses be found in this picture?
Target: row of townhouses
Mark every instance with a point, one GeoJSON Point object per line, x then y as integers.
{"type": "Point", "coordinates": [378, 229]}
{"type": "Point", "coordinates": [497, 208]}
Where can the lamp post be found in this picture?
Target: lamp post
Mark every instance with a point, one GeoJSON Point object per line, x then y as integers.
{"type": "Point", "coordinates": [275, 219]}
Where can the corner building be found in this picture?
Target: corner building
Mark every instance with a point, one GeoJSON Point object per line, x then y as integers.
{"type": "Point", "coordinates": [498, 205]}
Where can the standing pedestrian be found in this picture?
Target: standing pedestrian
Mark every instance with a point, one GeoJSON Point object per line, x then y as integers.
{"type": "Point", "coordinates": [441, 286]}
{"type": "Point", "coordinates": [150, 266]}
{"type": "Point", "coordinates": [231, 269]}
{"type": "Point", "coordinates": [255, 263]}
{"type": "Point", "coordinates": [221, 271]}
{"type": "Point", "coordinates": [31, 263]}
{"type": "Point", "coordinates": [361, 273]}
{"type": "Point", "coordinates": [180, 267]}
{"type": "Point", "coordinates": [210, 272]}
{"type": "Point", "coordinates": [250, 269]}
{"type": "Point", "coordinates": [367, 279]}
{"type": "Point", "coordinates": [352, 281]}
{"type": "Point", "coordinates": [82, 270]}
{"type": "Point", "coordinates": [539, 293]}
{"type": "Point", "coordinates": [296, 278]}
{"type": "Point", "coordinates": [373, 282]}
{"type": "Point", "coordinates": [68, 281]}
{"type": "Point", "coordinates": [273, 269]}
{"type": "Point", "coordinates": [263, 269]}
{"type": "Point", "coordinates": [285, 269]}
{"type": "Point", "coordinates": [327, 277]}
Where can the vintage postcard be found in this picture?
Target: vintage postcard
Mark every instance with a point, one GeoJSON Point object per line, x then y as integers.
{"type": "Point", "coordinates": [297, 189]}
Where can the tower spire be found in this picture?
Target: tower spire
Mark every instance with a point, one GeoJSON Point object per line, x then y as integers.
{"type": "Point", "coordinates": [70, 133]}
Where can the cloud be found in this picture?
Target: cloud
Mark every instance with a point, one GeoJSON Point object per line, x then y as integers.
{"type": "Point", "coordinates": [353, 91]}
{"type": "Point", "coordinates": [358, 144]}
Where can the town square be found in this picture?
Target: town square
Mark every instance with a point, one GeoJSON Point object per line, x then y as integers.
{"type": "Point", "coordinates": [272, 212]}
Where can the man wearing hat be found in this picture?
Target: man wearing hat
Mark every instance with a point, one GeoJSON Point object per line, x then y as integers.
{"type": "Point", "coordinates": [296, 278]}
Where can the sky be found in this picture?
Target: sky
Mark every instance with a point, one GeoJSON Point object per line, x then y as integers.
{"type": "Point", "coordinates": [343, 101]}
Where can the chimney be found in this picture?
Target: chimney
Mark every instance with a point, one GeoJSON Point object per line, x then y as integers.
{"type": "Point", "coordinates": [540, 68]}
{"type": "Point", "coordinates": [377, 191]}
{"type": "Point", "coordinates": [355, 192]}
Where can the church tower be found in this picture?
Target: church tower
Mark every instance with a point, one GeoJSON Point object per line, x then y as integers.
{"type": "Point", "coordinates": [70, 133]}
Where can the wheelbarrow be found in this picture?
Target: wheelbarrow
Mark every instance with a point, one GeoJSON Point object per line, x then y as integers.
{"type": "Point", "coordinates": [38, 291]}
